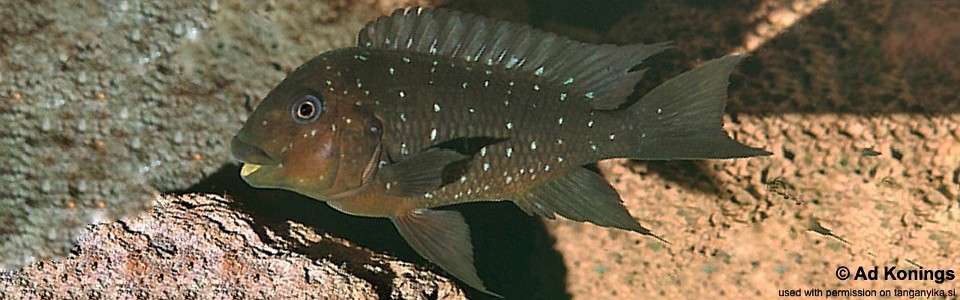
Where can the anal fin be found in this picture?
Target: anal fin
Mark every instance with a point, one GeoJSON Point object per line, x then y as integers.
{"type": "Point", "coordinates": [581, 196]}
{"type": "Point", "coordinates": [442, 237]}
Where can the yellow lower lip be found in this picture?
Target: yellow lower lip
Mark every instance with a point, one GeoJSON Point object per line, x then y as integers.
{"type": "Point", "coordinates": [249, 169]}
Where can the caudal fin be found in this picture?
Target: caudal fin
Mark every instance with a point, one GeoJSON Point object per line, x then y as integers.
{"type": "Point", "coordinates": [683, 117]}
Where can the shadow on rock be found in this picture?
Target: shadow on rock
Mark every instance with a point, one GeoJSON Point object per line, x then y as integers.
{"type": "Point", "coordinates": [514, 253]}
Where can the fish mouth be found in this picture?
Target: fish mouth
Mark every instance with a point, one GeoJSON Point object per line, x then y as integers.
{"type": "Point", "coordinates": [250, 154]}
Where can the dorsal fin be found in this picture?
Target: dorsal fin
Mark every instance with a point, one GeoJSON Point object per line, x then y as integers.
{"type": "Point", "coordinates": [597, 73]}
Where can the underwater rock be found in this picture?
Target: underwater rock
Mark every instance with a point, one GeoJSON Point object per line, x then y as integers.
{"type": "Point", "coordinates": [106, 104]}
{"type": "Point", "coordinates": [197, 246]}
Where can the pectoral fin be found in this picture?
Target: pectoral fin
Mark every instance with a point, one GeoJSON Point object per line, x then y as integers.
{"type": "Point", "coordinates": [442, 237]}
{"type": "Point", "coordinates": [423, 172]}
{"type": "Point", "coordinates": [581, 196]}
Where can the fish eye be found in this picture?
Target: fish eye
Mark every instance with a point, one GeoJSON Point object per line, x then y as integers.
{"type": "Point", "coordinates": [307, 109]}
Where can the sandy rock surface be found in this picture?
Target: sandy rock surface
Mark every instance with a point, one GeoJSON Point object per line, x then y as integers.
{"type": "Point", "coordinates": [198, 247]}
{"type": "Point", "coordinates": [106, 104]}
{"type": "Point", "coordinates": [859, 104]}
{"type": "Point", "coordinates": [857, 99]}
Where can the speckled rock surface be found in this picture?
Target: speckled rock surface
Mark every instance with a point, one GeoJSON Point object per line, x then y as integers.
{"type": "Point", "coordinates": [856, 98]}
{"type": "Point", "coordinates": [859, 103]}
{"type": "Point", "coordinates": [196, 246]}
{"type": "Point", "coordinates": [105, 104]}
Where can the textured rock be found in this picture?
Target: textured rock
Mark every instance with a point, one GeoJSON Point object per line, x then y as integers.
{"type": "Point", "coordinates": [822, 85]}
{"type": "Point", "coordinates": [848, 76]}
{"type": "Point", "coordinates": [196, 246]}
{"type": "Point", "coordinates": [105, 104]}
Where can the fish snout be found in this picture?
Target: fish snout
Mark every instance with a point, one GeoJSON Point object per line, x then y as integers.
{"type": "Point", "coordinates": [248, 153]}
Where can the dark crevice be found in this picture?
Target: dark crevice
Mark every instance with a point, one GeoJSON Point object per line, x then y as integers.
{"type": "Point", "coordinates": [514, 254]}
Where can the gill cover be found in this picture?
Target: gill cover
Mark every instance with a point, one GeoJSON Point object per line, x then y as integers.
{"type": "Point", "coordinates": [307, 136]}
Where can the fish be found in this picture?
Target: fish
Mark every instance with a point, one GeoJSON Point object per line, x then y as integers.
{"type": "Point", "coordinates": [436, 107]}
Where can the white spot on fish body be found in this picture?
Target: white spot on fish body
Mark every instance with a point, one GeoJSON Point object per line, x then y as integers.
{"type": "Point", "coordinates": [536, 87]}
{"type": "Point", "coordinates": [506, 102]}
{"type": "Point", "coordinates": [546, 168]}
{"type": "Point", "coordinates": [392, 70]}
{"type": "Point", "coordinates": [589, 95]}
{"type": "Point", "coordinates": [436, 107]}
{"type": "Point", "coordinates": [471, 110]}
{"type": "Point", "coordinates": [464, 85]}
{"type": "Point", "coordinates": [402, 94]}
{"type": "Point", "coordinates": [533, 145]}
{"type": "Point", "coordinates": [509, 125]}
{"type": "Point", "coordinates": [483, 151]}
{"type": "Point", "coordinates": [405, 59]}
{"type": "Point", "coordinates": [333, 127]}
{"type": "Point", "coordinates": [510, 63]}
{"type": "Point", "coordinates": [539, 71]}
{"type": "Point", "coordinates": [569, 81]}
{"type": "Point", "coordinates": [329, 82]}
{"type": "Point", "coordinates": [488, 71]}
{"type": "Point", "coordinates": [590, 124]}
{"type": "Point", "coordinates": [509, 151]}
{"type": "Point", "coordinates": [560, 121]}
{"type": "Point", "coordinates": [313, 132]}
{"type": "Point", "coordinates": [360, 57]}
{"type": "Point", "coordinates": [509, 179]}
{"type": "Point", "coordinates": [659, 111]}
{"type": "Point", "coordinates": [563, 97]}
{"type": "Point", "coordinates": [403, 149]}
{"type": "Point", "coordinates": [613, 136]}
{"type": "Point", "coordinates": [433, 69]}
{"type": "Point", "coordinates": [560, 159]}
{"type": "Point", "coordinates": [463, 178]}
{"type": "Point", "coordinates": [486, 167]}
{"type": "Point", "coordinates": [403, 117]}
{"type": "Point", "coordinates": [486, 83]}
{"type": "Point", "coordinates": [433, 134]}
{"type": "Point", "coordinates": [559, 141]}
{"type": "Point", "coordinates": [348, 120]}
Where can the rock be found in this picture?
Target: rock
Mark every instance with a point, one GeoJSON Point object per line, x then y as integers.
{"type": "Point", "coordinates": [197, 246]}
{"type": "Point", "coordinates": [106, 104]}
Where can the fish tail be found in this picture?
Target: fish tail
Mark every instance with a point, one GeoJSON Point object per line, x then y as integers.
{"type": "Point", "coordinates": [683, 117]}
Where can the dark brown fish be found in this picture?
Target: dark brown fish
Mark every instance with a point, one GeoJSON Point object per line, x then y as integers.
{"type": "Point", "coordinates": [436, 107]}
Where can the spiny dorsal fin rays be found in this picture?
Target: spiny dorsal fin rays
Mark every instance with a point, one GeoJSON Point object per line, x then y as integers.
{"type": "Point", "coordinates": [597, 73]}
